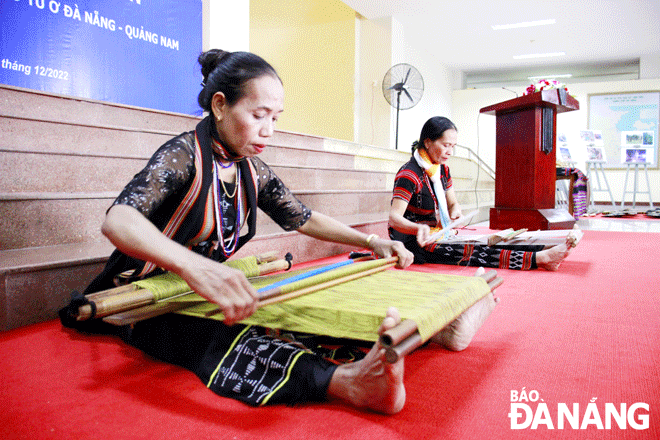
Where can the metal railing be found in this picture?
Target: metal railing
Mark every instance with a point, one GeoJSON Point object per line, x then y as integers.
{"type": "Point", "coordinates": [469, 154]}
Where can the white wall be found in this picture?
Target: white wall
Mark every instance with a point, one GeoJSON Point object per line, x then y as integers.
{"type": "Point", "coordinates": [437, 97]}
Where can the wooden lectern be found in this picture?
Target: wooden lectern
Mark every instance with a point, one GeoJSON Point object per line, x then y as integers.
{"type": "Point", "coordinates": [525, 161]}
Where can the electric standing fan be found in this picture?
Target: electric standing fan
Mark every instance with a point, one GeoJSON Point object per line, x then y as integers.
{"type": "Point", "coordinates": [403, 87]}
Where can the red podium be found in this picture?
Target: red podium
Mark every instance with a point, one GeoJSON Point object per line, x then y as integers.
{"type": "Point", "coordinates": [525, 161]}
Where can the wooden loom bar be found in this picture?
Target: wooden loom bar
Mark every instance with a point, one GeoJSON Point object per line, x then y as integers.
{"type": "Point", "coordinates": [151, 310]}
{"type": "Point", "coordinates": [504, 236]}
{"type": "Point", "coordinates": [514, 234]}
{"type": "Point", "coordinates": [109, 305]}
{"type": "Point", "coordinates": [119, 299]}
{"type": "Point", "coordinates": [413, 340]}
{"type": "Point", "coordinates": [551, 237]}
{"type": "Point", "coordinates": [273, 266]}
{"type": "Point", "coordinates": [266, 257]}
{"type": "Point", "coordinates": [113, 291]}
{"type": "Point", "coordinates": [265, 295]}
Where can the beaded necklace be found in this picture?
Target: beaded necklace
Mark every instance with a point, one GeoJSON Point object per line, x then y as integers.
{"type": "Point", "coordinates": [228, 246]}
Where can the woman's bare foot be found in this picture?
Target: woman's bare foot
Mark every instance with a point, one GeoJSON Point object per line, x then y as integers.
{"type": "Point", "coordinates": [574, 237]}
{"type": "Point", "coordinates": [459, 333]}
{"type": "Point", "coordinates": [550, 259]}
{"type": "Point", "coordinates": [372, 383]}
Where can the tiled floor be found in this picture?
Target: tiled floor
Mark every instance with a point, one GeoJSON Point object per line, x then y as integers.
{"type": "Point", "coordinates": [614, 224]}
{"type": "Point", "coordinates": [619, 224]}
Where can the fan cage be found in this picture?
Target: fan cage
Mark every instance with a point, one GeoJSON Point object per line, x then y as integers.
{"type": "Point", "coordinates": [399, 77]}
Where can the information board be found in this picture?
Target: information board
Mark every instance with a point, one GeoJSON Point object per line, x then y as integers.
{"type": "Point", "coordinates": [629, 125]}
{"type": "Point", "coordinates": [134, 52]}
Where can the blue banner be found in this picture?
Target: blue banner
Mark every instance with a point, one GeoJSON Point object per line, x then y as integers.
{"type": "Point", "coordinates": [134, 52]}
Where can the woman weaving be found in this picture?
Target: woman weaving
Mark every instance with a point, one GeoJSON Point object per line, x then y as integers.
{"type": "Point", "coordinates": [193, 206]}
{"type": "Point", "coordinates": [423, 198]}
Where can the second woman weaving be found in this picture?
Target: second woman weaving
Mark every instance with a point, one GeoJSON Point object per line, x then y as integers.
{"type": "Point", "coordinates": [424, 198]}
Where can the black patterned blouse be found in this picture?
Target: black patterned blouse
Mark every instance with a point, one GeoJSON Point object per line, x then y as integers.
{"type": "Point", "coordinates": [170, 170]}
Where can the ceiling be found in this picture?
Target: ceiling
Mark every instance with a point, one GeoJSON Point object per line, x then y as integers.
{"type": "Point", "coordinates": [595, 34]}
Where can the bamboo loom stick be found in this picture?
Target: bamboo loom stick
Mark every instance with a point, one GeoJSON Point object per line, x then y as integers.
{"type": "Point", "coordinates": [266, 257]}
{"type": "Point", "coordinates": [149, 311]}
{"type": "Point", "coordinates": [293, 272]}
{"type": "Point", "coordinates": [278, 288]}
{"type": "Point", "coordinates": [408, 338]}
{"type": "Point", "coordinates": [275, 287]}
{"type": "Point", "coordinates": [514, 234]}
{"type": "Point", "coordinates": [499, 236]}
{"type": "Point", "coordinates": [273, 266]}
{"type": "Point", "coordinates": [573, 236]}
{"type": "Point", "coordinates": [266, 263]}
{"type": "Point", "coordinates": [113, 291]}
{"type": "Point", "coordinates": [504, 236]}
{"type": "Point", "coordinates": [119, 299]}
{"type": "Point", "coordinates": [110, 304]}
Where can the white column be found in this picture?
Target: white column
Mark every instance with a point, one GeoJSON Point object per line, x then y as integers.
{"type": "Point", "coordinates": [226, 25]}
{"type": "Point", "coordinates": [649, 66]}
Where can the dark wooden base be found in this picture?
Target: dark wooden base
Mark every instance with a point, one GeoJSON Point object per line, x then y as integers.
{"type": "Point", "coordinates": [531, 219]}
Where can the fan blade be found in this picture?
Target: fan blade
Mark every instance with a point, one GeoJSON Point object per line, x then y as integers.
{"type": "Point", "coordinates": [408, 95]}
{"type": "Point", "coordinates": [407, 74]}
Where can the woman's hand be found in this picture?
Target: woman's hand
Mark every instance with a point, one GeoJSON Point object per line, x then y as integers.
{"type": "Point", "coordinates": [423, 234]}
{"type": "Point", "coordinates": [455, 213]}
{"type": "Point", "coordinates": [222, 285]}
{"type": "Point", "coordinates": [388, 248]}
{"type": "Point", "coordinates": [137, 237]}
{"type": "Point", "coordinates": [403, 225]}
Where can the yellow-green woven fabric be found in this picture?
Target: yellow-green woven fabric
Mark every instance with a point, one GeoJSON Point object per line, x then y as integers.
{"type": "Point", "coordinates": [355, 309]}
{"type": "Point", "coordinates": [170, 284]}
{"type": "Point", "coordinates": [164, 286]}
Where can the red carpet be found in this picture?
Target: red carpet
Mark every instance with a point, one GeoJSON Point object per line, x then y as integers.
{"type": "Point", "coordinates": [588, 333]}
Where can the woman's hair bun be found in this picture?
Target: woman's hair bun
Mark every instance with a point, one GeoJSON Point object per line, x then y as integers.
{"type": "Point", "coordinates": [228, 72]}
{"type": "Point", "coordinates": [209, 61]}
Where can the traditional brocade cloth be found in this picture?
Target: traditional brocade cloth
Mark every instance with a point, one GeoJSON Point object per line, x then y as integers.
{"type": "Point", "coordinates": [579, 189]}
{"type": "Point", "coordinates": [412, 185]}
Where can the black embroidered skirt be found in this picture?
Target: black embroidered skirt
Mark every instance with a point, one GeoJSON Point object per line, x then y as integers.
{"type": "Point", "coordinates": [241, 362]}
